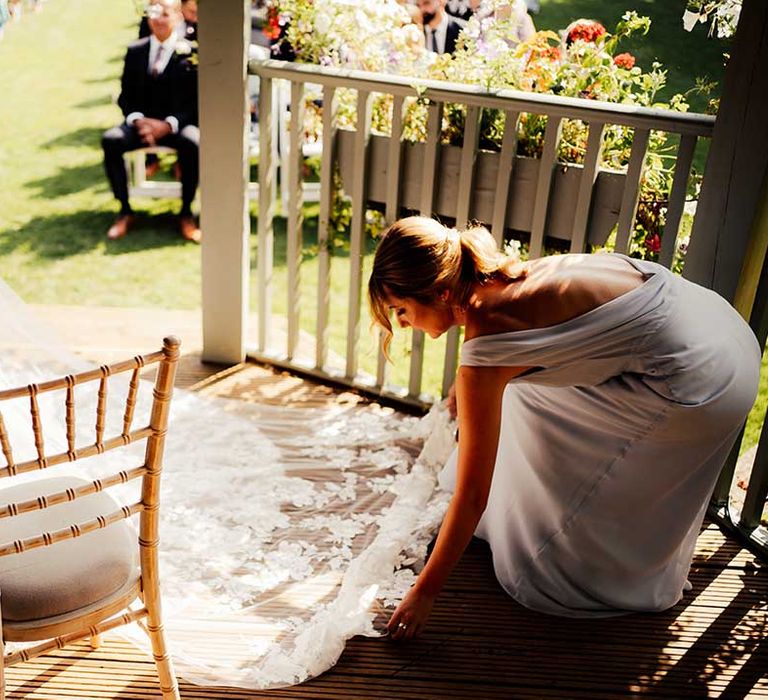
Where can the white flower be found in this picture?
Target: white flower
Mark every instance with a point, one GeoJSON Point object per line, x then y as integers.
{"type": "Point", "coordinates": [323, 21]}
{"type": "Point", "coordinates": [183, 47]}
{"type": "Point", "coordinates": [689, 20]}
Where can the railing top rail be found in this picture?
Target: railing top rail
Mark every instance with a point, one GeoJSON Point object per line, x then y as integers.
{"type": "Point", "coordinates": [443, 91]}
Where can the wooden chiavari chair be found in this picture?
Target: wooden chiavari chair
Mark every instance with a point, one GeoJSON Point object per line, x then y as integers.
{"type": "Point", "coordinates": [74, 566]}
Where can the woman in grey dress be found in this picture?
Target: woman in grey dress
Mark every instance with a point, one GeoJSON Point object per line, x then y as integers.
{"type": "Point", "coordinates": [598, 397]}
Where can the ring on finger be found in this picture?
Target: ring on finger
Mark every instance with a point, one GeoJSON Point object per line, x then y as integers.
{"type": "Point", "coordinates": [402, 626]}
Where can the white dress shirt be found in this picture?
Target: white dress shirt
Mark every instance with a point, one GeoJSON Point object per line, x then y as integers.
{"type": "Point", "coordinates": [439, 34]}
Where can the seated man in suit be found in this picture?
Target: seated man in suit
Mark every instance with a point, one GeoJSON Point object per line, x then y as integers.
{"type": "Point", "coordinates": [440, 29]}
{"type": "Point", "coordinates": [158, 98]}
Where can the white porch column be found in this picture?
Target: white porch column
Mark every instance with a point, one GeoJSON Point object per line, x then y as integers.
{"type": "Point", "coordinates": [224, 34]}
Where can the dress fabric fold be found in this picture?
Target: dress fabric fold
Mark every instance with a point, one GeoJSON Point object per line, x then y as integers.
{"type": "Point", "coordinates": [610, 446]}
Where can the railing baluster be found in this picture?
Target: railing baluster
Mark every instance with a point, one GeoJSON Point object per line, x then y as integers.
{"type": "Point", "coordinates": [394, 174]}
{"type": "Point", "coordinates": [395, 154]}
{"type": "Point", "coordinates": [677, 199]}
{"type": "Point", "coordinates": [357, 235]}
{"type": "Point", "coordinates": [466, 182]}
{"type": "Point", "coordinates": [6, 447]}
{"type": "Point", "coordinates": [37, 427]}
{"type": "Point", "coordinates": [504, 176]}
{"type": "Point", "coordinates": [130, 401]}
{"type": "Point", "coordinates": [631, 189]}
{"type": "Point", "coordinates": [101, 406]}
{"type": "Point", "coordinates": [467, 171]}
{"type": "Point", "coordinates": [428, 177]}
{"type": "Point", "coordinates": [431, 158]}
{"type": "Point", "coordinates": [295, 161]}
{"type": "Point", "coordinates": [754, 500]}
{"type": "Point", "coordinates": [544, 184]}
{"type": "Point", "coordinates": [266, 211]}
{"type": "Point", "coordinates": [323, 226]}
{"type": "Point", "coordinates": [587, 184]}
{"type": "Point", "coordinates": [69, 403]}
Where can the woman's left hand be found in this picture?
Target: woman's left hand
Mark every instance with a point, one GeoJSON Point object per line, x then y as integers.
{"type": "Point", "coordinates": [411, 615]}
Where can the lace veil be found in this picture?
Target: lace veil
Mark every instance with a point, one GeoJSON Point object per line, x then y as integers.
{"type": "Point", "coordinates": [285, 531]}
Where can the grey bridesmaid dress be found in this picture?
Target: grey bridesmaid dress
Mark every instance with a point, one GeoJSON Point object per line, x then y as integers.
{"type": "Point", "coordinates": [610, 447]}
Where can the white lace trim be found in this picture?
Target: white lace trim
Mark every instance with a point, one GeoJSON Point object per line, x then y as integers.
{"type": "Point", "coordinates": [284, 531]}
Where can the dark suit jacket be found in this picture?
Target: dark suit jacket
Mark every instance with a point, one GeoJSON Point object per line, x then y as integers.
{"type": "Point", "coordinates": [172, 93]}
{"type": "Point", "coordinates": [451, 35]}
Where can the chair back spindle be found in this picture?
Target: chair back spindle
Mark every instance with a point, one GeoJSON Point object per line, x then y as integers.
{"type": "Point", "coordinates": [76, 529]}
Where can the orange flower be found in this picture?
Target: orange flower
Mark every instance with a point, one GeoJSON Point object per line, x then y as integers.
{"type": "Point", "coordinates": [272, 29]}
{"type": "Point", "coordinates": [624, 60]}
{"type": "Point", "coordinates": [587, 30]}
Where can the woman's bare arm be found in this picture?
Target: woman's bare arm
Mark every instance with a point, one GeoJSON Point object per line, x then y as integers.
{"type": "Point", "coordinates": [479, 393]}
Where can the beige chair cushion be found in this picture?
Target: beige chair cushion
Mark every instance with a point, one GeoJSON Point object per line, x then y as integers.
{"type": "Point", "coordinates": [69, 575]}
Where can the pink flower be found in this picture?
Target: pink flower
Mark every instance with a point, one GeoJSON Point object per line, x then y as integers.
{"type": "Point", "coordinates": [624, 60]}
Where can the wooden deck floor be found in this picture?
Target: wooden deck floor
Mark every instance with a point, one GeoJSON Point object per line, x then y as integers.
{"type": "Point", "coordinates": [480, 644]}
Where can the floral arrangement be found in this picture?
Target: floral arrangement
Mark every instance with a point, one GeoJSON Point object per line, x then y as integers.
{"type": "Point", "coordinates": [376, 36]}
{"type": "Point", "coordinates": [581, 62]}
{"type": "Point", "coordinates": [723, 16]}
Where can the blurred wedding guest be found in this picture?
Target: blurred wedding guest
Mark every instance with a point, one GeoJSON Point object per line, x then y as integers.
{"type": "Point", "coordinates": [519, 10]}
{"type": "Point", "coordinates": [159, 101]}
{"type": "Point", "coordinates": [188, 28]}
{"type": "Point", "coordinates": [533, 6]}
{"type": "Point", "coordinates": [412, 10]}
{"type": "Point", "coordinates": [5, 16]}
{"type": "Point", "coordinates": [460, 9]}
{"type": "Point", "coordinates": [440, 30]}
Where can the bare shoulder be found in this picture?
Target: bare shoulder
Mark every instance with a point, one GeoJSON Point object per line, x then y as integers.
{"type": "Point", "coordinates": [554, 289]}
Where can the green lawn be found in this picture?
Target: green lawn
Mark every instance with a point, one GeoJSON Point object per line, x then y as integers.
{"type": "Point", "coordinates": [60, 77]}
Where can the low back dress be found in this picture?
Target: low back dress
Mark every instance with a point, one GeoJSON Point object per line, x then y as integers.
{"type": "Point", "coordinates": [610, 446]}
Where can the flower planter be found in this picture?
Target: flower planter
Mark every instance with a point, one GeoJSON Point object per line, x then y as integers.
{"type": "Point", "coordinates": [606, 197]}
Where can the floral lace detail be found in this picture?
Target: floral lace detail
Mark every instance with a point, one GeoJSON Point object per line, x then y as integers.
{"type": "Point", "coordinates": [284, 531]}
{"type": "Point", "coordinates": [304, 548]}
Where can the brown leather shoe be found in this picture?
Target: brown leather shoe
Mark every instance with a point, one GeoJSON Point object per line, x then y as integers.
{"type": "Point", "coordinates": [121, 226]}
{"type": "Point", "coordinates": [189, 229]}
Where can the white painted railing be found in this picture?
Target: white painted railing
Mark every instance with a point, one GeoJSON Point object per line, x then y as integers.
{"type": "Point", "coordinates": [455, 183]}
{"type": "Point", "coordinates": [579, 204]}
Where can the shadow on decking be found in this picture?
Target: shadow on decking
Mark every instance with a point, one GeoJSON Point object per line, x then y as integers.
{"type": "Point", "coordinates": [480, 644]}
